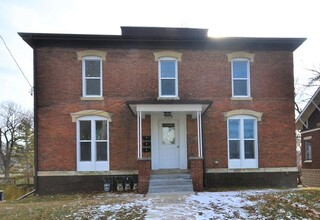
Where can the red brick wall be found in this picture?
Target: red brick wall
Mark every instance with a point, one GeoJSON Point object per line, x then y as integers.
{"type": "Point", "coordinates": [133, 75]}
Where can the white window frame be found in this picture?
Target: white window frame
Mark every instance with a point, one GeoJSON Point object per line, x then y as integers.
{"type": "Point", "coordinates": [92, 165]}
{"type": "Point", "coordinates": [176, 78]}
{"type": "Point", "coordinates": [248, 78]}
{"type": "Point", "coordinates": [242, 162]}
{"type": "Point", "coordinates": [84, 78]}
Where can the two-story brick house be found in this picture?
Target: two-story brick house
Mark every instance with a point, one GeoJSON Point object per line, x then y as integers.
{"type": "Point", "coordinates": [308, 123]}
{"type": "Point", "coordinates": [159, 99]}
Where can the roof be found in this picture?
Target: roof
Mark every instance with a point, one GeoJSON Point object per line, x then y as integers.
{"type": "Point", "coordinates": [308, 110]}
{"type": "Point", "coordinates": [170, 105]}
{"type": "Point", "coordinates": [161, 38]}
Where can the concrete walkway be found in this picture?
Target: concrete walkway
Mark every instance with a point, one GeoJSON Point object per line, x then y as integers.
{"type": "Point", "coordinates": [169, 206]}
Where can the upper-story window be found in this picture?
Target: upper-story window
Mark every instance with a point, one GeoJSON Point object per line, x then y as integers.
{"type": "Point", "coordinates": [168, 77]}
{"type": "Point", "coordinates": [168, 73]}
{"type": "Point", "coordinates": [240, 78]}
{"type": "Point", "coordinates": [92, 77]}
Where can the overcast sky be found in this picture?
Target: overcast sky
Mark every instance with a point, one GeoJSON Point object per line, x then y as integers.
{"type": "Point", "coordinates": [245, 18]}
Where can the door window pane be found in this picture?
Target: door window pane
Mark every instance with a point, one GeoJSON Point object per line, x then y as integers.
{"type": "Point", "coordinates": [101, 130]}
{"type": "Point", "coordinates": [92, 68]}
{"type": "Point", "coordinates": [249, 149]}
{"type": "Point", "coordinates": [234, 149]}
{"type": "Point", "coordinates": [168, 87]}
{"type": "Point", "coordinates": [248, 128]}
{"type": "Point", "coordinates": [234, 128]}
{"type": "Point", "coordinates": [85, 130]}
{"type": "Point", "coordinates": [85, 151]}
{"type": "Point", "coordinates": [168, 133]}
{"type": "Point", "coordinates": [102, 151]}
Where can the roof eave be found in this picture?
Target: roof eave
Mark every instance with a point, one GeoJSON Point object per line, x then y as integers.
{"type": "Point", "coordinates": [308, 110]}
{"type": "Point", "coordinates": [228, 43]}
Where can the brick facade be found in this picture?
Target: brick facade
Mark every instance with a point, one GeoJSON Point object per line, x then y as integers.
{"type": "Point", "coordinates": [201, 75]}
{"type": "Point", "coordinates": [132, 74]}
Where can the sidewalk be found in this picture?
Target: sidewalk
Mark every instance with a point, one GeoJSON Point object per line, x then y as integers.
{"type": "Point", "coordinates": [170, 206]}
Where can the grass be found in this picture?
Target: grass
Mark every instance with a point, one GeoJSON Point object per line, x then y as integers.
{"type": "Point", "coordinates": [288, 204]}
{"type": "Point", "coordinates": [276, 204]}
{"type": "Point", "coordinates": [76, 206]}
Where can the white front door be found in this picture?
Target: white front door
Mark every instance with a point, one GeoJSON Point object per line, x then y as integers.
{"type": "Point", "coordinates": [169, 149]}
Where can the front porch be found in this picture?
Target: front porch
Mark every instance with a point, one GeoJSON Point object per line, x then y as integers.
{"type": "Point", "coordinates": [169, 137]}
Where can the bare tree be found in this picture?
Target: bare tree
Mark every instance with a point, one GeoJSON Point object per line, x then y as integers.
{"type": "Point", "coordinates": [11, 118]}
{"type": "Point", "coordinates": [315, 79]}
{"type": "Point", "coordinates": [25, 155]}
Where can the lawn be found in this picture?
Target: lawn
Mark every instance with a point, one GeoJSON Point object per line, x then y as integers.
{"type": "Point", "coordinates": [242, 204]}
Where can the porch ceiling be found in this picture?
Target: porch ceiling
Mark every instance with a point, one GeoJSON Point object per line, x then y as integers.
{"type": "Point", "coordinates": [152, 106]}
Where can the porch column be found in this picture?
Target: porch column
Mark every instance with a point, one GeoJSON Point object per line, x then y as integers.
{"type": "Point", "coordinates": [199, 127]}
{"type": "Point", "coordinates": [139, 134]}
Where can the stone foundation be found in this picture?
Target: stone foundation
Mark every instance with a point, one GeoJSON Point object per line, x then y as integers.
{"type": "Point", "coordinates": [310, 177]}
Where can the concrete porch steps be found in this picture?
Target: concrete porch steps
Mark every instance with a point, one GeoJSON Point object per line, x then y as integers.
{"type": "Point", "coordinates": [170, 181]}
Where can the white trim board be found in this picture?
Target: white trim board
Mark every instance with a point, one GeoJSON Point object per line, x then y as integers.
{"type": "Point", "coordinates": [257, 170]}
{"type": "Point", "coordinates": [85, 173]}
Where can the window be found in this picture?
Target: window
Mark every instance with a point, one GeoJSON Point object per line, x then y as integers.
{"type": "Point", "coordinates": [168, 77]}
{"type": "Point", "coordinates": [242, 142]}
{"type": "Point", "coordinates": [307, 144]}
{"type": "Point", "coordinates": [92, 143]}
{"type": "Point", "coordinates": [92, 76]}
{"type": "Point", "coordinates": [240, 78]}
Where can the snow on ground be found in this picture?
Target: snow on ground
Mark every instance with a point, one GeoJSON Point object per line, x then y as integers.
{"type": "Point", "coordinates": [204, 205]}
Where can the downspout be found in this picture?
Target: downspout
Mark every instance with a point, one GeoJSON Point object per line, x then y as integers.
{"type": "Point", "coordinates": [35, 115]}
{"type": "Point", "coordinates": [203, 155]}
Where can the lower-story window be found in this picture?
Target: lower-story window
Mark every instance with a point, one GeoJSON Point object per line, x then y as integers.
{"type": "Point", "coordinates": [308, 152]}
{"type": "Point", "coordinates": [242, 142]}
{"type": "Point", "coordinates": [92, 143]}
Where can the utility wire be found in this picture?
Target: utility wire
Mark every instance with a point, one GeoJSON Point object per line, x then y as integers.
{"type": "Point", "coordinates": [31, 91]}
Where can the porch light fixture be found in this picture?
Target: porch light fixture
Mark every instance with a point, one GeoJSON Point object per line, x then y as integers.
{"type": "Point", "coordinates": [167, 115]}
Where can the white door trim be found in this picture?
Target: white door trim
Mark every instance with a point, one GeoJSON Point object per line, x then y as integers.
{"type": "Point", "coordinates": [182, 121]}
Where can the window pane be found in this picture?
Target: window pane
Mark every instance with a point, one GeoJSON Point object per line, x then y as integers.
{"type": "Point", "coordinates": [248, 128]}
{"type": "Point", "coordinates": [168, 133]}
{"type": "Point", "coordinates": [101, 130]}
{"type": "Point", "coordinates": [240, 69]}
{"type": "Point", "coordinates": [102, 151]}
{"type": "Point", "coordinates": [240, 87]}
{"type": "Point", "coordinates": [93, 87]}
{"type": "Point", "coordinates": [168, 69]}
{"type": "Point", "coordinates": [85, 151]}
{"type": "Point", "coordinates": [168, 87]}
{"type": "Point", "coordinates": [249, 149]}
{"type": "Point", "coordinates": [92, 68]}
{"type": "Point", "coordinates": [308, 150]}
{"type": "Point", "coordinates": [85, 130]}
{"type": "Point", "coordinates": [234, 149]}
{"type": "Point", "coordinates": [234, 128]}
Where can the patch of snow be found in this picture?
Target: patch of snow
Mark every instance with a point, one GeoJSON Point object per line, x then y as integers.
{"type": "Point", "coordinates": [204, 205]}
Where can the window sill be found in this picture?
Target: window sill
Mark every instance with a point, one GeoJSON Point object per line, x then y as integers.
{"type": "Point", "coordinates": [168, 98]}
{"type": "Point", "coordinates": [307, 161]}
{"type": "Point", "coordinates": [92, 98]}
{"type": "Point", "coordinates": [241, 98]}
